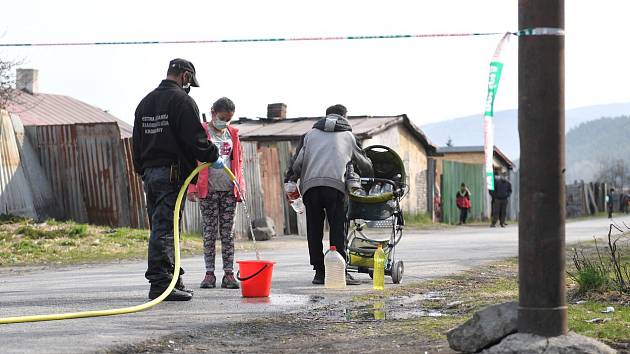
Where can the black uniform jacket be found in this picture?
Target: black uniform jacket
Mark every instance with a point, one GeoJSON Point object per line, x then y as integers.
{"type": "Point", "coordinates": [167, 131]}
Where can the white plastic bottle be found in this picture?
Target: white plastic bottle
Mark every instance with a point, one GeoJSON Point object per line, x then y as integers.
{"type": "Point", "coordinates": [376, 189]}
{"type": "Point", "coordinates": [295, 199]}
{"type": "Point", "coordinates": [335, 267]}
{"type": "Point", "coordinates": [298, 205]}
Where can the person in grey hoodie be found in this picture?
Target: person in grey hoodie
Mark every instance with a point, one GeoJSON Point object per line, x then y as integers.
{"type": "Point", "coordinates": [320, 164]}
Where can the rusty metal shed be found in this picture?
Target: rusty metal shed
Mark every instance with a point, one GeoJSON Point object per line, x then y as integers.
{"type": "Point", "coordinates": [86, 167]}
{"type": "Point", "coordinates": [42, 109]}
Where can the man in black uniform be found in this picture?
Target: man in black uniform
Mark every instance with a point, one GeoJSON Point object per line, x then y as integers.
{"type": "Point", "coordinates": [168, 139]}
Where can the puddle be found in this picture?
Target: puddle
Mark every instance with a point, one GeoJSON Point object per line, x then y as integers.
{"type": "Point", "coordinates": [282, 300]}
{"type": "Point", "coordinates": [379, 311]}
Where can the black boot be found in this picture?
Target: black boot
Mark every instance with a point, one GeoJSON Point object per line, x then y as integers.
{"type": "Point", "coordinates": [319, 277]}
{"type": "Point", "coordinates": [175, 295]}
{"type": "Point", "coordinates": [180, 286]}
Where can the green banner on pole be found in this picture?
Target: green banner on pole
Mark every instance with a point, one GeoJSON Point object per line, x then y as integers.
{"type": "Point", "coordinates": [496, 67]}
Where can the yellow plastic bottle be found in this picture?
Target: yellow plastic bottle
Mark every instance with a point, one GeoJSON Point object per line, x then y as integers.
{"type": "Point", "coordinates": [378, 276]}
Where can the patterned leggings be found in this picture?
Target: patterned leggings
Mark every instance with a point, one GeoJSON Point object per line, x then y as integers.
{"type": "Point", "coordinates": [218, 211]}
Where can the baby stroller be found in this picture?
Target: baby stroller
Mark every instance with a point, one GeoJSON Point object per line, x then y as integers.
{"type": "Point", "coordinates": [377, 209]}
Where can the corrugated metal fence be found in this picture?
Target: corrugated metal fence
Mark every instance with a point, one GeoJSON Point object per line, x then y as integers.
{"type": "Point", "coordinates": [15, 192]}
{"type": "Point", "coordinates": [87, 173]}
{"type": "Point", "coordinates": [137, 201]}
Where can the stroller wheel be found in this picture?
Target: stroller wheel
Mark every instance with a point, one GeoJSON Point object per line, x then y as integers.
{"type": "Point", "coordinates": [397, 272]}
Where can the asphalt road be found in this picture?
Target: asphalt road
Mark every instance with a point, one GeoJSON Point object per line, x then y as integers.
{"type": "Point", "coordinates": [30, 291]}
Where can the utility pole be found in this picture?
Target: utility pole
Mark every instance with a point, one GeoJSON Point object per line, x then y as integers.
{"type": "Point", "coordinates": [542, 293]}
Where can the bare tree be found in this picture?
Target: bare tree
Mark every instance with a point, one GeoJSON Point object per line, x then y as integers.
{"type": "Point", "coordinates": [613, 172]}
{"type": "Point", "coordinates": [8, 93]}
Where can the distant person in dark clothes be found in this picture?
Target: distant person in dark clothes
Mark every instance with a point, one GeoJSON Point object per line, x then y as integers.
{"type": "Point", "coordinates": [462, 200]}
{"type": "Point", "coordinates": [320, 165]}
{"type": "Point", "coordinates": [623, 203]}
{"type": "Point", "coordinates": [609, 202]}
{"type": "Point", "coordinates": [500, 195]}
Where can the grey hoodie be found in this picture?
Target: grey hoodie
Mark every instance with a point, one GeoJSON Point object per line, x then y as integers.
{"type": "Point", "coordinates": [325, 153]}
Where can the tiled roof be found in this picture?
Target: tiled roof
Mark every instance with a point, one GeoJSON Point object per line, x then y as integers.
{"type": "Point", "coordinates": [49, 109]}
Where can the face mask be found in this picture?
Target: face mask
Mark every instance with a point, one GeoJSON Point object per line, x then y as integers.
{"type": "Point", "coordinates": [219, 124]}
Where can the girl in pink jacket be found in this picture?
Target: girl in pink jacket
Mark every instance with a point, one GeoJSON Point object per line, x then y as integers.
{"type": "Point", "coordinates": [218, 196]}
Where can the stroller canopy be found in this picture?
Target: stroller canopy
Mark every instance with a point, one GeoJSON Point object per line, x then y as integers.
{"type": "Point", "coordinates": [387, 164]}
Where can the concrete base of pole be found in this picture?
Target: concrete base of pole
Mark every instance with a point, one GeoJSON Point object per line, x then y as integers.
{"type": "Point", "coordinates": [525, 343]}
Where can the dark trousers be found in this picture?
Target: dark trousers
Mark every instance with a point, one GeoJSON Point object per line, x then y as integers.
{"type": "Point", "coordinates": [161, 196]}
{"type": "Point", "coordinates": [610, 210]}
{"type": "Point", "coordinates": [321, 202]}
{"type": "Point", "coordinates": [499, 210]}
{"type": "Point", "coordinates": [463, 215]}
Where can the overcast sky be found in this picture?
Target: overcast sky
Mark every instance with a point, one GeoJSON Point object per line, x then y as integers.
{"type": "Point", "coordinates": [430, 79]}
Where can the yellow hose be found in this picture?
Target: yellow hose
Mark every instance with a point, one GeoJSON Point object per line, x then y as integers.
{"type": "Point", "coordinates": [146, 305]}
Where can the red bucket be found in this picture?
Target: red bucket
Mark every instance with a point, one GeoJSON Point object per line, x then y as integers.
{"type": "Point", "coordinates": [255, 277]}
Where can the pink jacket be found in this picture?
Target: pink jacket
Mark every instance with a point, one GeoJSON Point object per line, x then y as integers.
{"type": "Point", "coordinates": [201, 188]}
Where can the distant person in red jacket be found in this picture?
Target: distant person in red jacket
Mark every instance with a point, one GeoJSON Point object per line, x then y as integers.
{"type": "Point", "coordinates": [218, 196]}
{"type": "Point", "coordinates": [462, 199]}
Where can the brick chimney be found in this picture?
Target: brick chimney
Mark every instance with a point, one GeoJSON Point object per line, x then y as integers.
{"type": "Point", "coordinates": [277, 111]}
{"type": "Point", "coordinates": [27, 80]}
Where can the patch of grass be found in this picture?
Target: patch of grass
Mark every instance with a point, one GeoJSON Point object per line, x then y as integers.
{"type": "Point", "coordinates": [58, 242]}
{"type": "Point", "coordinates": [421, 221]}
{"type": "Point", "coordinates": [27, 247]}
{"type": "Point", "coordinates": [37, 233]}
{"type": "Point", "coordinates": [11, 219]}
{"type": "Point", "coordinates": [614, 326]}
{"type": "Point", "coordinates": [590, 278]}
{"type": "Point", "coordinates": [79, 230]}
{"type": "Point", "coordinates": [596, 269]}
{"type": "Point", "coordinates": [53, 222]}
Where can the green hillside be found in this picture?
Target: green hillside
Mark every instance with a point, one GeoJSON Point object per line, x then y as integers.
{"type": "Point", "coordinates": [597, 143]}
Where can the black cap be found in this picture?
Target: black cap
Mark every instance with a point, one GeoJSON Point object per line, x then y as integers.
{"type": "Point", "coordinates": [184, 64]}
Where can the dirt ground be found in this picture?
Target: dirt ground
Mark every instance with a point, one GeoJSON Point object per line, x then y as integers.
{"type": "Point", "coordinates": [410, 319]}
{"type": "Point", "coordinates": [413, 318]}
{"type": "Point", "coordinates": [288, 334]}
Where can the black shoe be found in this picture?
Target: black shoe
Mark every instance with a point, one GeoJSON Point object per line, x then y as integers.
{"type": "Point", "coordinates": [493, 225]}
{"type": "Point", "coordinates": [209, 281]}
{"type": "Point", "coordinates": [351, 281]}
{"type": "Point", "coordinates": [229, 282]}
{"type": "Point", "coordinates": [319, 277]}
{"type": "Point", "coordinates": [175, 295]}
{"type": "Point", "coordinates": [180, 286]}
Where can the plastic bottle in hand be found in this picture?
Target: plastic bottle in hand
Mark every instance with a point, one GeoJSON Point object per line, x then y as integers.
{"type": "Point", "coordinates": [298, 205]}
{"type": "Point", "coordinates": [378, 275]}
{"type": "Point", "coordinates": [335, 266]}
{"type": "Point", "coordinates": [295, 199]}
